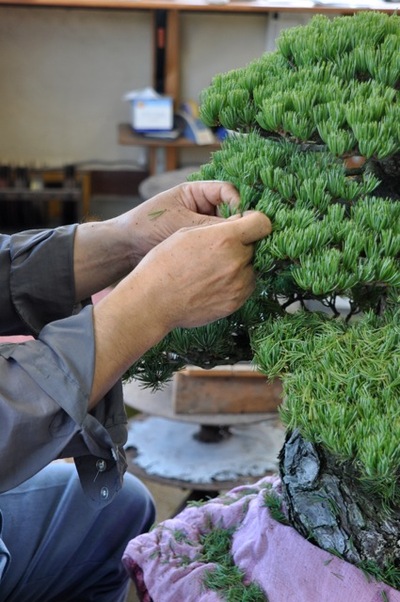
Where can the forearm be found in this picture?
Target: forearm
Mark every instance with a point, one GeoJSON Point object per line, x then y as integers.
{"type": "Point", "coordinates": [126, 324]}
{"type": "Point", "coordinates": [102, 255]}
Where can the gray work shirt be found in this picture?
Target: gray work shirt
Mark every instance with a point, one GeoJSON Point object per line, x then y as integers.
{"type": "Point", "coordinates": [45, 383]}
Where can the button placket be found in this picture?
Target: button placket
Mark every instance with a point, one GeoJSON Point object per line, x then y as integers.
{"type": "Point", "coordinates": [101, 465]}
{"type": "Point", "coordinates": [104, 493]}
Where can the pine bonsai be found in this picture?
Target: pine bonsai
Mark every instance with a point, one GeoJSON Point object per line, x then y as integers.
{"type": "Point", "coordinates": [315, 144]}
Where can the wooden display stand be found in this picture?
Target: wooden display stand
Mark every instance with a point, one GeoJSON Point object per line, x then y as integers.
{"type": "Point", "coordinates": [226, 415]}
{"type": "Point", "coordinates": [234, 389]}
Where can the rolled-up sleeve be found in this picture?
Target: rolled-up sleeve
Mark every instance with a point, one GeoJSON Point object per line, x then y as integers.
{"type": "Point", "coordinates": [44, 390]}
{"type": "Point", "coordinates": [37, 279]}
{"type": "Point", "coordinates": [45, 382]}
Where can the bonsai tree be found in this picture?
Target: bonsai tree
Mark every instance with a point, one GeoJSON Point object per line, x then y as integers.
{"type": "Point", "coordinates": [315, 144]}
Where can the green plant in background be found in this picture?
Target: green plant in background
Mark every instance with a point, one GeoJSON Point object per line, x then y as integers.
{"type": "Point", "coordinates": [315, 144]}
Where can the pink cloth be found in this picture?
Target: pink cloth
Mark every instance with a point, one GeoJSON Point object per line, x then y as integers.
{"type": "Point", "coordinates": [286, 566]}
{"type": "Point", "coordinates": [19, 338]}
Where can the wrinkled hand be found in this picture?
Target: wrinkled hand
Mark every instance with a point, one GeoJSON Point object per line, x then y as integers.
{"type": "Point", "coordinates": [195, 276]}
{"type": "Point", "coordinates": [186, 205]}
{"type": "Point", "coordinates": [202, 273]}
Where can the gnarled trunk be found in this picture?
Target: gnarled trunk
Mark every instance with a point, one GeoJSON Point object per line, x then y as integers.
{"type": "Point", "coordinates": [327, 504]}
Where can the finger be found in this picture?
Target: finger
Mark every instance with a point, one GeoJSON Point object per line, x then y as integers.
{"type": "Point", "coordinates": [209, 220]}
{"type": "Point", "coordinates": [250, 227]}
{"type": "Point", "coordinates": [234, 217]}
{"type": "Point", "coordinates": [256, 223]}
{"type": "Point", "coordinates": [205, 196]}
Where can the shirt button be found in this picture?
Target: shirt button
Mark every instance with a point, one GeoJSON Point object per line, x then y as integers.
{"type": "Point", "coordinates": [101, 465]}
{"type": "Point", "coordinates": [104, 493]}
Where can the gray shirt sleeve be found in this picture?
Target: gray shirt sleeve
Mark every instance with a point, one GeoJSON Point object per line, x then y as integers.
{"type": "Point", "coordinates": [45, 383]}
{"type": "Point", "coordinates": [37, 280]}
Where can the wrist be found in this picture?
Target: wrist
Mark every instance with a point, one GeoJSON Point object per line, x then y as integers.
{"type": "Point", "coordinates": [130, 233]}
{"type": "Point", "coordinates": [102, 256]}
{"type": "Point", "coordinates": [127, 324]}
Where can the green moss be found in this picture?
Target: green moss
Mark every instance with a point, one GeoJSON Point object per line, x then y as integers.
{"type": "Point", "coordinates": [389, 574]}
{"type": "Point", "coordinates": [226, 579]}
{"type": "Point", "coordinates": [274, 503]}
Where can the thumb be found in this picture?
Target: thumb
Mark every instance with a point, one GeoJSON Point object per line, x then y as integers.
{"type": "Point", "coordinates": [252, 226]}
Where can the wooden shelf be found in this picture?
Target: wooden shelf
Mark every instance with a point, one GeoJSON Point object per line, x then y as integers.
{"type": "Point", "coordinates": [54, 201]}
{"type": "Point", "coordinates": [127, 137]}
{"type": "Point", "coordinates": [234, 6]}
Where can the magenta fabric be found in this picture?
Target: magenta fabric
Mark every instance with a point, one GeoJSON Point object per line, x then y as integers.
{"type": "Point", "coordinates": [286, 566]}
{"type": "Point", "coordinates": [18, 338]}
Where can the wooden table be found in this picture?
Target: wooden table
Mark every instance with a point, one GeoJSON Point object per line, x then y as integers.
{"type": "Point", "coordinates": [127, 137]}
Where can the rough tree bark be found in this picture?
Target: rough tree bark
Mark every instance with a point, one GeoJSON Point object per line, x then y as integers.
{"type": "Point", "coordinates": [327, 505]}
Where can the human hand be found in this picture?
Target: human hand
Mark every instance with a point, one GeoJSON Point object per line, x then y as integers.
{"type": "Point", "coordinates": [186, 205]}
{"type": "Point", "coordinates": [202, 273]}
{"type": "Point", "coordinates": [195, 276]}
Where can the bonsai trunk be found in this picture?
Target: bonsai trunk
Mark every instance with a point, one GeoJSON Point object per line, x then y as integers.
{"type": "Point", "coordinates": [327, 505]}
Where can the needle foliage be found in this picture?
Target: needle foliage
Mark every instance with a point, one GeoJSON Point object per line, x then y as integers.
{"type": "Point", "coordinates": [315, 144]}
